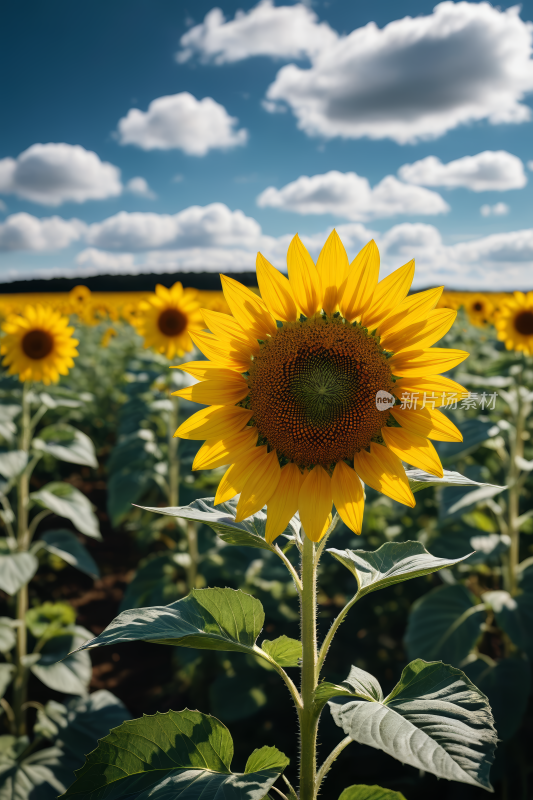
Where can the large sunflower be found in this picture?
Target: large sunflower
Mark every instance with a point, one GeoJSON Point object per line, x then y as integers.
{"type": "Point", "coordinates": [514, 322]}
{"type": "Point", "coordinates": [166, 318]}
{"type": "Point", "coordinates": [294, 381]}
{"type": "Point", "coordinates": [38, 344]}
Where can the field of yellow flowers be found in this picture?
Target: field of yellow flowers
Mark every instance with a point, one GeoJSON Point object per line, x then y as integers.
{"type": "Point", "coordinates": [88, 411]}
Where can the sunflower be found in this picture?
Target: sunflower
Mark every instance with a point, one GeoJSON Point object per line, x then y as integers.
{"type": "Point", "coordinates": [514, 322]}
{"type": "Point", "coordinates": [38, 344]}
{"type": "Point", "coordinates": [299, 387]}
{"type": "Point", "coordinates": [166, 318]}
{"type": "Point", "coordinates": [479, 308]}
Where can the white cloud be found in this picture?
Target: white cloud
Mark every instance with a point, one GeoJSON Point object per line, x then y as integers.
{"type": "Point", "coordinates": [348, 195]}
{"type": "Point", "coordinates": [499, 249]}
{"type": "Point", "coordinates": [180, 121]}
{"type": "Point", "coordinates": [56, 173]}
{"type": "Point", "coordinates": [205, 226]}
{"type": "Point", "coordinates": [25, 232]}
{"type": "Point", "coordinates": [282, 32]}
{"type": "Point", "coordinates": [492, 170]}
{"type": "Point", "coordinates": [139, 186]}
{"type": "Point", "coordinates": [417, 77]}
{"type": "Point", "coordinates": [497, 210]}
{"type": "Point", "coordinates": [103, 262]}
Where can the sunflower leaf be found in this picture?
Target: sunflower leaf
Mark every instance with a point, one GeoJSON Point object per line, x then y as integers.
{"type": "Point", "coordinates": [12, 463]}
{"type": "Point", "coordinates": [16, 569]}
{"type": "Point", "coordinates": [59, 668]}
{"type": "Point", "coordinates": [435, 719]}
{"type": "Point", "coordinates": [418, 480]}
{"type": "Point", "coordinates": [248, 533]}
{"type": "Point", "coordinates": [66, 444]}
{"type": "Point", "coordinates": [180, 754]}
{"type": "Point", "coordinates": [68, 502]}
{"type": "Point", "coordinates": [210, 619]}
{"type": "Point", "coordinates": [362, 792]}
{"type": "Point", "coordinates": [65, 544]}
{"type": "Point", "coordinates": [285, 651]}
{"type": "Point", "coordinates": [393, 562]}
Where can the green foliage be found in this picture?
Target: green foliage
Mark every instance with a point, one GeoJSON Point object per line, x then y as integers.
{"type": "Point", "coordinates": [370, 793]}
{"type": "Point", "coordinates": [445, 623]}
{"type": "Point", "coordinates": [68, 502]}
{"type": "Point", "coordinates": [185, 753]}
{"type": "Point", "coordinates": [213, 619]}
{"type": "Point", "coordinates": [435, 719]}
{"type": "Point", "coordinates": [66, 545]}
{"type": "Point", "coordinates": [392, 563]}
{"type": "Point", "coordinates": [16, 569]}
{"type": "Point", "coordinates": [66, 444]}
{"type": "Point", "coordinates": [506, 683]}
{"type": "Point", "coordinates": [285, 652]}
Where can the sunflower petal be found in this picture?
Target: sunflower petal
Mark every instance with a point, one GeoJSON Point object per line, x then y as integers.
{"type": "Point", "coordinates": [248, 309]}
{"type": "Point", "coordinates": [207, 371]}
{"type": "Point", "coordinates": [389, 293]}
{"type": "Point", "coordinates": [276, 291]}
{"type": "Point", "coordinates": [315, 502]}
{"type": "Point", "coordinates": [283, 504]}
{"type": "Point", "coordinates": [432, 390]}
{"type": "Point", "coordinates": [383, 471]}
{"type": "Point", "coordinates": [237, 474]}
{"type": "Point", "coordinates": [304, 278]}
{"type": "Point", "coordinates": [259, 487]}
{"type": "Point", "coordinates": [423, 334]}
{"type": "Point", "coordinates": [215, 393]}
{"type": "Point", "coordinates": [413, 309]}
{"type": "Point", "coordinates": [427, 422]}
{"type": "Point", "coordinates": [226, 328]}
{"type": "Point", "coordinates": [360, 284]}
{"type": "Point", "coordinates": [416, 450]}
{"type": "Point", "coordinates": [220, 352]}
{"type": "Point", "coordinates": [417, 363]}
{"type": "Point", "coordinates": [332, 267]}
{"type": "Point", "coordinates": [214, 422]}
{"type": "Point", "coordinates": [217, 452]}
{"type": "Point", "coordinates": [348, 496]}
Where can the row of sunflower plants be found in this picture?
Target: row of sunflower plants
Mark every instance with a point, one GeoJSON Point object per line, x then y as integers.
{"type": "Point", "coordinates": [303, 388]}
{"type": "Point", "coordinates": [43, 741]}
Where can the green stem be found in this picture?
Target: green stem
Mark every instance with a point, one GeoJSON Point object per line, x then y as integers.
{"type": "Point", "coordinates": [308, 715]}
{"type": "Point", "coordinates": [331, 633]}
{"type": "Point", "coordinates": [173, 460]}
{"type": "Point", "coordinates": [20, 683]}
{"type": "Point", "coordinates": [513, 510]}
{"type": "Point", "coordinates": [328, 763]}
{"type": "Point", "coordinates": [192, 545]}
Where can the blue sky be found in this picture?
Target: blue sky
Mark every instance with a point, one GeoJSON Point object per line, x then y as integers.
{"type": "Point", "coordinates": [169, 136]}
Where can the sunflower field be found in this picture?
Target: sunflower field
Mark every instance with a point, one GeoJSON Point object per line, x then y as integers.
{"type": "Point", "coordinates": [198, 492]}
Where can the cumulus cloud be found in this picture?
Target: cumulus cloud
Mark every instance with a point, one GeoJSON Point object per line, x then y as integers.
{"type": "Point", "coordinates": [181, 122]}
{"type": "Point", "coordinates": [205, 226]}
{"type": "Point", "coordinates": [282, 32]}
{"type": "Point", "coordinates": [350, 196]}
{"type": "Point", "coordinates": [25, 232]}
{"type": "Point", "coordinates": [56, 173]}
{"type": "Point", "coordinates": [139, 186]}
{"type": "Point", "coordinates": [492, 170]}
{"type": "Point", "coordinates": [103, 262]}
{"type": "Point", "coordinates": [497, 210]}
{"type": "Point", "coordinates": [416, 78]}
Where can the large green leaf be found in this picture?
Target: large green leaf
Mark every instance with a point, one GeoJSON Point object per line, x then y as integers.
{"type": "Point", "coordinates": [266, 758]}
{"type": "Point", "coordinates": [507, 684]}
{"type": "Point", "coordinates": [182, 754]}
{"type": "Point", "coordinates": [66, 545]}
{"type": "Point", "coordinates": [16, 569]}
{"type": "Point", "coordinates": [69, 674]}
{"type": "Point", "coordinates": [456, 501]}
{"type": "Point", "coordinates": [444, 624]}
{"type": "Point", "coordinates": [418, 480]}
{"type": "Point", "coordinates": [435, 719]}
{"type": "Point", "coordinates": [66, 444]}
{"type": "Point", "coordinates": [393, 562]}
{"type": "Point", "coordinates": [68, 502]}
{"type": "Point", "coordinates": [221, 518]}
{"type": "Point", "coordinates": [12, 463]}
{"type": "Point", "coordinates": [210, 619]}
{"type": "Point", "coordinates": [362, 792]}
{"type": "Point", "coordinates": [358, 684]}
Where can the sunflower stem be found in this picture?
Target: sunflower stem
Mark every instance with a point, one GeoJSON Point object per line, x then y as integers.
{"type": "Point", "coordinates": [515, 486]}
{"type": "Point", "coordinates": [23, 542]}
{"type": "Point", "coordinates": [173, 460]}
{"type": "Point", "coordinates": [308, 715]}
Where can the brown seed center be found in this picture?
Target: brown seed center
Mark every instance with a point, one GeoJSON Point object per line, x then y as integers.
{"type": "Point", "coordinates": [172, 322]}
{"type": "Point", "coordinates": [524, 323]}
{"type": "Point", "coordinates": [37, 344]}
{"type": "Point", "coordinates": [478, 306]}
{"type": "Point", "coordinates": [313, 391]}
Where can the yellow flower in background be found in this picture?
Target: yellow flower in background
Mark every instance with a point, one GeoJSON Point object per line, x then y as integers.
{"type": "Point", "coordinates": [514, 323]}
{"type": "Point", "coordinates": [38, 345]}
{"type": "Point", "coordinates": [297, 385]}
{"type": "Point", "coordinates": [479, 308]}
{"type": "Point", "coordinates": [166, 318]}
{"type": "Point", "coordinates": [108, 335]}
